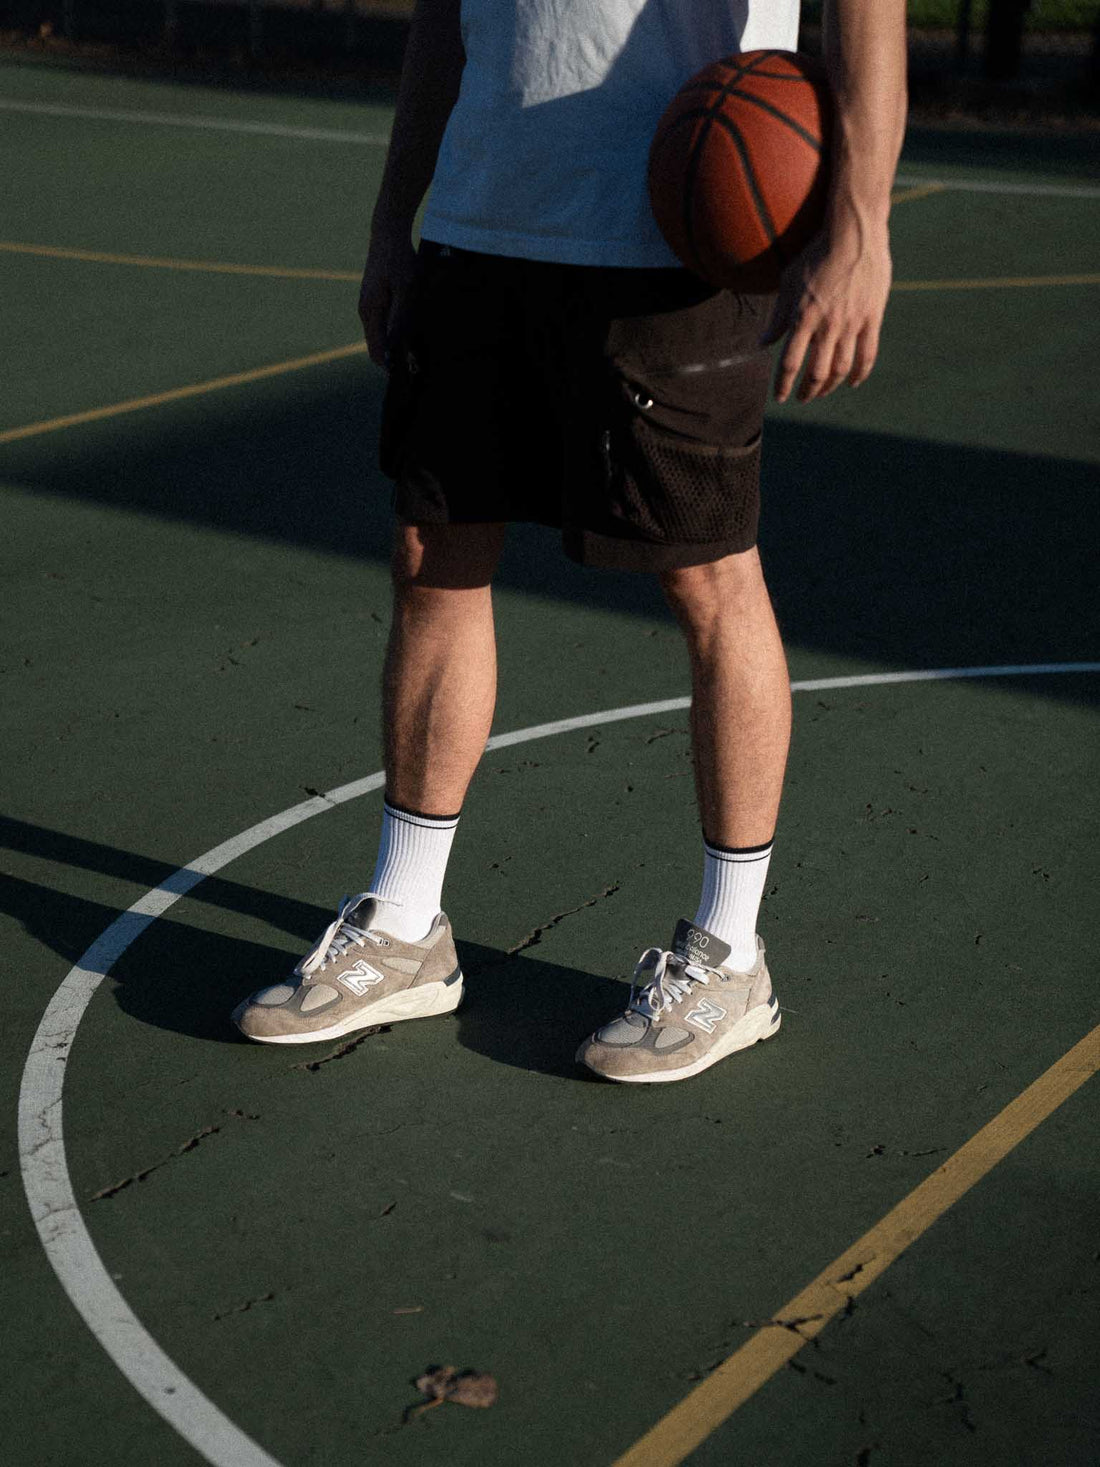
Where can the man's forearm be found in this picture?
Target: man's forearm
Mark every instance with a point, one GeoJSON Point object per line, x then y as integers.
{"type": "Point", "coordinates": [430, 78]}
{"type": "Point", "coordinates": [833, 296]}
{"type": "Point", "coordinates": [865, 56]}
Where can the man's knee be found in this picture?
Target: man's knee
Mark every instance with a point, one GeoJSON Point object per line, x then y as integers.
{"type": "Point", "coordinates": [445, 557]}
{"type": "Point", "coordinates": [699, 594]}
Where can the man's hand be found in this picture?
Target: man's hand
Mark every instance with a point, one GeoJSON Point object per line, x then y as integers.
{"type": "Point", "coordinates": [830, 308]}
{"type": "Point", "coordinates": [391, 262]}
{"type": "Point", "coordinates": [833, 297]}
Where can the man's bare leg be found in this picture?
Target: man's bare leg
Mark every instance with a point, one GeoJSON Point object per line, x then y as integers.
{"type": "Point", "coordinates": [740, 729]}
{"type": "Point", "coordinates": [439, 688]}
{"type": "Point", "coordinates": [712, 995]}
{"type": "Point", "coordinates": [439, 683]}
{"type": "Point", "coordinates": [740, 696]}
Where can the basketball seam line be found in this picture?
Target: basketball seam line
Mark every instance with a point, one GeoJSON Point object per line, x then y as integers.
{"type": "Point", "coordinates": [750, 70]}
{"type": "Point", "coordinates": [750, 174]}
{"type": "Point", "coordinates": [742, 72]}
{"type": "Point", "coordinates": [807, 137]}
{"type": "Point", "coordinates": [712, 113]}
{"type": "Point", "coordinates": [690, 172]}
{"type": "Point", "coordinates": [738, 72]}
{"type": "Point", "coordinates": [708, 116]}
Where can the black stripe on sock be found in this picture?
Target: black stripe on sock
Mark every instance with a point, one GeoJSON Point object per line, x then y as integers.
{"type": "Point", "coordinates": [400, 810]}
{"type": "Point", "coordinates": [758, 851]}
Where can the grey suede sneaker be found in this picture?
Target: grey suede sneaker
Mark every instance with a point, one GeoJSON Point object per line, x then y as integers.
{"type": "Point", "coordinates": [356, 976]}
{"type": "Point", "coordinates": [686, 1012]}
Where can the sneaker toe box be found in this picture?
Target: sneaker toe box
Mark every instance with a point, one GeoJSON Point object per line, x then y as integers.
{"type": "Point", "coordinates": [268, 1012]}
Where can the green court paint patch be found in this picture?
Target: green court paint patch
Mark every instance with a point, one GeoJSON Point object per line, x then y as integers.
{"type": "Point", "coordinates": [199, 604]}
{"type": "Point", "coordinates": [833, 1292]}
{"type": "Point", "coordinates": [54, 1206]}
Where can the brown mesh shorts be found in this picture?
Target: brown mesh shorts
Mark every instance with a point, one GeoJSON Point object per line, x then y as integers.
{"type": "Point", "coordinates": [622, 406]}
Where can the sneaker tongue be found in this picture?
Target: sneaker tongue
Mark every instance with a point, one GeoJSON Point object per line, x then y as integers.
{"type": "Point", "coordinates": [364, 913]}
{"type": "Point", "coordinates": [695, 944]}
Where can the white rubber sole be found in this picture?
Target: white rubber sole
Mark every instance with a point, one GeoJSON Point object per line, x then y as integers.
{"type": "Point", "coordinates": [422, 1002]}
{"type": "Point", "coordinates": [758, 1024]}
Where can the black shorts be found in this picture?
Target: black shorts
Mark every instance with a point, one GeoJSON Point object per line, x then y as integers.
{"type": "Point", "coordinates": [623, 406]}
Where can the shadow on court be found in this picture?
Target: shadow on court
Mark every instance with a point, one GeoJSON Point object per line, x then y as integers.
{"type": "Point", "coordinates": [299, 919]}
{"type": "Point", "coordinates": [1065, 155]}
{"type": "Point", "coordinates": [897, 550]}
{"type": "Point", "coordinates": [187, 980]}
{"type": "Point", "coordinates": [513, 1009]}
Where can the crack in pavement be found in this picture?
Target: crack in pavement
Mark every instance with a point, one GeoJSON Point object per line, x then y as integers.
{"type": "Point", "coordinates": [535, 935]}
{"type": "Point", "coordinates": [663, 733]}
{"type": "Point", "coordinates": [957, 1398]}
{"type": "Point", "coordinates": [847, 1277]}
{"type": "Point", "coordinates": [244, 1307]}
{"type": "Point", "coordinates": [794, 1325]}
{"type": "Point", "coordinates": [191, 1144]}
{"type": "Point", "coordinates": [341, 1049]}
{"type": "Point", "coordinates": [1033, 1359]}
{"type": "Point", "coordinates": [800, 1369]}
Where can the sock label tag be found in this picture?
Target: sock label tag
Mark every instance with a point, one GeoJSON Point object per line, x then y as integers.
{"type": "Point", "coordinates": [695, 945]}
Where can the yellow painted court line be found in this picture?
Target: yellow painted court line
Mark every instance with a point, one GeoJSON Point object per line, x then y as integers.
{"type": "Point", "coordinates": [210, 267]}
{"type": "Point", "coordinates": [174, 394]}
{"type": "Point", "coordinates": [806, 1315]}
{"type": "Point", "coordinates": [280, 272]}
{"type": "Point", "coordinates": [919, 191]}
{"type": "Point", "coordinates": [998, 282]}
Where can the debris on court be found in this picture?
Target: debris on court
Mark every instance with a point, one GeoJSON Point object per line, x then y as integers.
{"type": "Point", "coordinates": [444, 1383]}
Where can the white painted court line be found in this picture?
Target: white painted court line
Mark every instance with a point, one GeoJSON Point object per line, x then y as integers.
{"type": "Point", "coordinates": [185, 119]}
{"type": "Point", "coordinates": [988, 186]}
{"type": "Point", "coordinates": [381, 140]}
{"type": "Point", "coordinates": [46, 1179]}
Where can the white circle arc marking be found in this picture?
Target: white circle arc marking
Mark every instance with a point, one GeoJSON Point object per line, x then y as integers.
{"type": "Point", "coordinates": [46, 1180]}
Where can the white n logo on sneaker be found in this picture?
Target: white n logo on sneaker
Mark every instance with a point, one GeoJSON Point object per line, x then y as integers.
{"type": "Point", "coordinates": [706, 1016]}
{"type": "Point", "coordinates": [360, 977]}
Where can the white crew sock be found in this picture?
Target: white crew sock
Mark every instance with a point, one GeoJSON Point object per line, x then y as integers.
{"type": "Point", "coordinates": [408, 876]}
{"type": "Point", "coordinates": [733, 884]}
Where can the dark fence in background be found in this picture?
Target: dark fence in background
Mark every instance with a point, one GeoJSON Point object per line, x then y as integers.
{"type": "Point", "coordinates": [256, 28]}
{"type": "Point", "coordinates": [986, 42]}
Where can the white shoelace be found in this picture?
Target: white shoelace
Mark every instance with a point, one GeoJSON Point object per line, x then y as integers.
{"type": "Point", "coordinates": [339, 935]}
{"type": "Point", "coordinates": [665, 988]}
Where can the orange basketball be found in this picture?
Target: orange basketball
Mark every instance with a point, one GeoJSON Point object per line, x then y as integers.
{"type": "Point", "coordinates": [738, 169]}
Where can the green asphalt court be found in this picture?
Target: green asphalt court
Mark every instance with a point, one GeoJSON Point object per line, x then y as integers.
{"type": "Point", "coordinates": [871, 1243]}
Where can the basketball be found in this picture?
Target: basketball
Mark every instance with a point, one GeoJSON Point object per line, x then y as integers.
{"type": "Point", "coordinates": [738, 168]}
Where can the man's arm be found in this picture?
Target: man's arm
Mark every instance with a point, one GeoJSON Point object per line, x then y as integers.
{"type": "Point", "coordinates": [833, 297]}
{"type": "Point", "coordinates": [430, 78]}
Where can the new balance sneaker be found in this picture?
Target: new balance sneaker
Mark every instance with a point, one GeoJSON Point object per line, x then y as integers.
{"type": "Point", "coordinates": [686, 1012]}
{"type": "Point", "coordinates": [355, 977]}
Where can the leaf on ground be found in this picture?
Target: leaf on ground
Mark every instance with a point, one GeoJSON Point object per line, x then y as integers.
{"type": "Point", "coordinates": [465, 1388]}
{"type": "Point", "coordinates": [473, 1388]}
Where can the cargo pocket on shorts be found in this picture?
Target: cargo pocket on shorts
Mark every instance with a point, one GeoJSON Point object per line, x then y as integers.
{"type": "Point", "coordinates": [674, 489]}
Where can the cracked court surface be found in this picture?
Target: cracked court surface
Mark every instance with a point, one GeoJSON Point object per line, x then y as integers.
{"type": "Point", "coordinates": [197, 626]}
